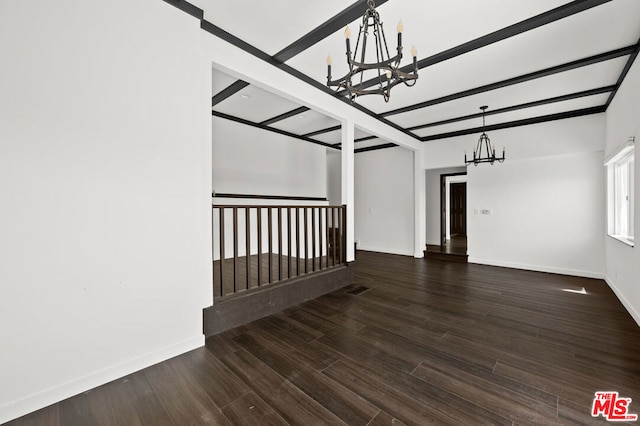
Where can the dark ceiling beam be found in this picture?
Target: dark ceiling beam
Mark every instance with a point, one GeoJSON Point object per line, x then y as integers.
{"type": "Point", "coordinates": [366, 138]}
{"type": "Point", "coordinates": [624, 72]}
{"type": "Point", "coordinates": [520, 79]}
{"type": "Point", "coordinates": [240, 44]}
{"type": "Point", "coordinates": [321, 131]}
{"type": "Point", "coordinates": [185, 6]}
{"type": "Point", "coordinates": [228, 92]}
{"type": "Point", "coordinates": [270, 129]}
{"type": "Point", "coordinates": [375, 147]}
{"type": "Point", "coordinates": [321, 32]}
{"type": "Point", "coordinates": [518, 123]}
{"type": "Point", "coordinates": [285, 115]}
{"type": "Point", "coordinates": [547, 101]}
{"type": "Point", "coordinates": [502, 34]}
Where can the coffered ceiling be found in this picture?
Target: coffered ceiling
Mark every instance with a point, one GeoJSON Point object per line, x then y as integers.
{"type": "Point", "coordinates": [530, 61]}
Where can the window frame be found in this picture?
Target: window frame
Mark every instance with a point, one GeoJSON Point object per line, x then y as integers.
{"type": "Point", "coordinates": [620, 194]}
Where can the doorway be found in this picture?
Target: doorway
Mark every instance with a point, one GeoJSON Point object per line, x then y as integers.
{"type": "Point", "coordinates": [453, 206]}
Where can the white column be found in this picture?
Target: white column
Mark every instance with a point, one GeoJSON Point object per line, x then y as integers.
{"type": "Point", "coordinates": [347, 183]}
{"type": "Point", "coordinates": [419, 206]}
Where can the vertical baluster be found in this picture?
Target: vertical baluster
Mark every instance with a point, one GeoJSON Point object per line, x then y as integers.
{"type": "Point", "coordinates": [270, 237]}
{"type": "Point", "coordinates": [306, 242]}
{"type": "Point", "coordinates": [327, 231]}
{"type": "Point", "coordinates": [288, 242]}
{"type": "Point", "coordinates": [247, 238]}
{"type": "Point", "coordinates": [313, 238]}
{"type": "Point", "coordinates": [341, 235]}
{"type": "Point", "coordinates": [279, 243]}
{"type": "Point", "coordinates": [259, 225]}
{"type": "Point", "coordinates": [235, 249]}
{"type": "Point", "coordinates": [297, 241]}
{"type": "Point", "coordinates": [213, 250]}
{"type": "Point", "coordinates": [333, 234]}
{"type": "Point", "coordinates": [344, 233]}
{"type": "Point", "coordinates": [222, 254]}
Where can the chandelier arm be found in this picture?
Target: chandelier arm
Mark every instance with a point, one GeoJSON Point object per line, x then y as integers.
{"type": "Point", "coordinates": [383, 64]}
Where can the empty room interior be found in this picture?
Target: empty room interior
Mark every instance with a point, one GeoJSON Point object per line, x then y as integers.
{"type": "Point", "coordinates": [319, 212]}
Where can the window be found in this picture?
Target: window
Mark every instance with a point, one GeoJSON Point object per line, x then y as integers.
{"type": "Point", "coordinates": [620, 175]}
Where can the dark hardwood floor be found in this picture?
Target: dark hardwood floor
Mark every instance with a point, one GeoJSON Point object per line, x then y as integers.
{"type": "Point", "coordinates": [427, 342]}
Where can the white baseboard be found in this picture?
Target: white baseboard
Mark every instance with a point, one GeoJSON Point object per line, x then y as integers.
{"type": "Point", "coordinates": [625, 302]}
{"type": "Point", "coordinates": [538, 268]}
{"type": "Point", "coordinates": [42, 399]}
{"type": "Point", "coordinates": [386, 250]}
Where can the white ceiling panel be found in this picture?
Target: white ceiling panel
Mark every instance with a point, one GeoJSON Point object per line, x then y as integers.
{"type": "Point", "coordinates": [259, 106]}
{"type": "Point", "coordinates": [220, 81]}
{"type": "Point", "coordinates": [270, 26]}
{"type": "Point", "coordinates": [306, 122]}
{"type": "Point", "coordinates": [577, 80]}
{"type": "Point", "coordinates": [329, 137]}
{"type": "Point", "coordinates": [368, 143]}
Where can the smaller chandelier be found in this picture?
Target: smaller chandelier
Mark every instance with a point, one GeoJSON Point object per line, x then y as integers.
{"type": "Point", "coordinates": [484, 153]}
{"type": "Point", "coordinates": [384, 72]}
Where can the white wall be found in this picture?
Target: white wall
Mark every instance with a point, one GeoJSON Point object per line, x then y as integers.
{"type": "Point", "coordinates": [547, 197]}
{"type": "Point", "coordinates": [623, 262]}
{"type": "Point", "coordinates": [105, 182]}
{"type": "Point", "coordinates": [384, 201]}
{"type": "Point", "coordinates": [334, 177]}
{"type": "Point", "coordinates": [432, 183]}
{"type": "Point", "coordinates": [248, 160]}
{"type": "Point", "coordinates": [547, 214]}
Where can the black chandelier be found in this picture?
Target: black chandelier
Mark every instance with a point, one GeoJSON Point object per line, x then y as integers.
{"type": "Point", "coordinates": [484, 153]}
{"type": "Point", "coordinates": [384, 73]}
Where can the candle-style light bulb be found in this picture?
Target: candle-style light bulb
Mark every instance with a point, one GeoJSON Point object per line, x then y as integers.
{"type": "Point", "coordinates": [347, 35]}
{"type": "Point", "coordinates": [400, 27]}
{"type": "Point", "coordinates": [329, 61]}
{"type": "Point", "coordinates": [388, 75]}
{"type": "Point", "coordinates": [414, 51]}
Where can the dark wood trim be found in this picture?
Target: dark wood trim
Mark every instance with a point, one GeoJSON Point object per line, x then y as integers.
{"type": "Point", "coordinates": [502, 34]}
{"type": "Point", "coordinates": [284, 115]}
{"type": "Point", "coordinates": [443, 210]}
{"type": "Point", "coordinates": [235, 249]}
{"type": "Point", "coordinates": [267, 197]}
{"type": "Point", "coordinates": [324, 30]}
{"type": "Point", "coordinates": [613, 54]}
{"type": "Point", "coordinates": [518, 123]}
{"type": "Point", "coordinates": [270, 129]}
{"type": "Point", "coordinates": [185, 6]}
{"type": "Point", "coordinates": [230, 38]}
{"type": "Point", "coordinates": [222, 251]}
{"type": "Point", "coordinates": [259, 251]}
{"type": "Point", "coordinates": [321, 131]}
{"type": "Point", "coordinates": [374, 148]}
{"type": "Point", "coordinates": [247, 239]}
{"type": "Point", "coordinates": [518, 107]}
{"type": "Point", "coordinates": [366, 138]}
{"type": "Point", "coordinates": [231, 90]}
{"type": "Point", "coordinates": [624, 72]}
